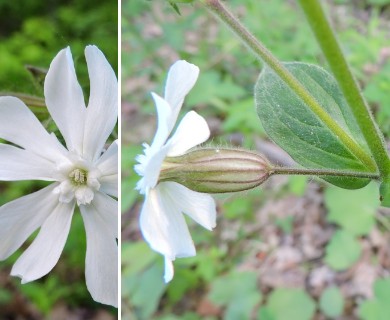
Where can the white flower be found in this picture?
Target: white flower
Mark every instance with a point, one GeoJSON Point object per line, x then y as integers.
{"type": "Point", "coordinates": [81, 174]}
{"type": "Point", "coordinates": [162, 222]}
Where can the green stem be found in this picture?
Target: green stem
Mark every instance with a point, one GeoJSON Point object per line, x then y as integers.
{"type": "Point", "coordinates": [324, 172]}
{"type": "Point", "coordinates": [28, 99]}
{"type": "Point", "coordinates": [219, 9]}
{"type": "Point", "coordinates": [350, 88]}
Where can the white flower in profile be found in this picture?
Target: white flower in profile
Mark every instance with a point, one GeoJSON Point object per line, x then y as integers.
{"type": "Point", "coordinates": [162, 222]}
{"type": "Point", "coordinates": [82, 174]}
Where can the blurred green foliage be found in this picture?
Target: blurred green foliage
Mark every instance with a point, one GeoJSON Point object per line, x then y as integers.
{"type": "Point", "coordinates": [35, 32]}
{"type": "Point", "coordinates": [129, 178]}
{"type": "Point", "coordinates": [283, 299]}
{"type": "Point", "coordinates": [237, 291]}
{"type": "Point", "coordinates": [205, 286]}
{"type": "Point", "coordinates": [378, 307]}
{"type": "Point", "coordinates": [353, 211]}
{"type": "Point", "coordinates": [342, 251]}
{"type": "Point", "coordinates": [31, 34]}
{"type": "Point", "coordinates": [332, 302]}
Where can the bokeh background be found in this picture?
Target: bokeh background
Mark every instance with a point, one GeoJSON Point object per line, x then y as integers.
{"type": "Point", "coordinates": [295, 248]}
{"type": "Point", "coordinates": [31, 34]}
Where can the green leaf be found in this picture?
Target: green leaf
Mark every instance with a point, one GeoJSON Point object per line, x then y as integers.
{"type": "Point", "coordinates": [342, 251]}
{"type": "Point", "coordinates": [291, 304]}
{"type": "Point", "coordinates": [208, 263]}
{"type": "Point", "coordinates": [295, 128]}
{"type": "Point", "coordinates": [175, 7]}
{"type": "Point", "coordinates": [145, 289]}
{"type": "Point", "coordinates": [238, 292]}
{"type": "Point", "coordinates": [382, 290]}
{"type": "Point", "coordinates": [145, 257]}
{"type": "Point", "coordinates": [242, 306]}
{"type": "Point", "coordinates": [377, 308]}
{"type": "Point", "coordinates": [186, 316]}
{"type": "Point", "coordinates": [332, 302]}
{"type": "Point", "coordinates": [353, 210]}
{"type": "Point", "coordinates": [184, 280]}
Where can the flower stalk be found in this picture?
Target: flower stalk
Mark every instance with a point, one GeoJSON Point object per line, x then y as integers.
{"type": "Point", "coordinates": [324, 172]}
{"type": "Point", "coordinates": [221, 11]}
{"type": "Point", "coordinates": [224, 170]}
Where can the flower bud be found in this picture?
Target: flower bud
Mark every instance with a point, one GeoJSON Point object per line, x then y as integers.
{"type": "Point", "coordinates": [217, 170]}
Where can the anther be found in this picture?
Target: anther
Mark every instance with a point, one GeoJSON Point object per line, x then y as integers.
{"type": "Point", "coordinates": [78, 177]}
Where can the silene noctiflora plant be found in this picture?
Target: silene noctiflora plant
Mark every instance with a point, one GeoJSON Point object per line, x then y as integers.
{"type": "Point", "coordinates": [320, 118]}
{"type": "Point", "coordinates": [83, 173]}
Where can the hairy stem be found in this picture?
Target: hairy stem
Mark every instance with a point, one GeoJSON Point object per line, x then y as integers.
{"type": "Point", "coordinates": [350, 88]}
{"type": "Point", "coordinates": [324, 172]}
{"type": "Point", "coordinates": [220, 10]}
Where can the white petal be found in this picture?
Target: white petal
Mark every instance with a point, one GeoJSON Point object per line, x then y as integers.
{"type": "Point", "coordinates": [20, 126]}
{"type": "Point", "coordinates": [163, 226]}
{"type": "Point", "coordinates": [65, 191]}
{"type": "Point", "coordinates": [43, 254]}
{"type": "Point", "coordinates": [109, 185]}
{"type": "Point", "coordinates": [101, 263]}
{"type": "Point", "coordinates": [181, 78]}
{"type": "Point", "coordinates": [21, 217]}
{"type": "Point", "coordinates": [165, 121]}
{"type": "Point", "coordinates": [108, 162]}
{"type": "Point", "coordinates": [102, 111]}
{"type": "Point", "coordinates": [151, 166]}
{"type": "Point", "coordinates": [21, 164]}
{"type": "Point", "coordinates": [169, 271]}
{"type": "Point", "coordinates": [65, 100]}
{"type": "Point", "coordinates": [199, 206]}
{"type": "Point", "coordinates": [192, 130]}
{"type": "Point", "coordinates": [84, 195]}
{"type": "Point", "coordinates": [107, 208]}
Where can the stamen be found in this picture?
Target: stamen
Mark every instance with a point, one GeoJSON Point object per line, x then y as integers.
{"type": "Point", "coordinates": [78, 177]}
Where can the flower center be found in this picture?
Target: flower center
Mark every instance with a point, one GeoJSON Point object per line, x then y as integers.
{"type": "Point", "coordinates": [77, 181]}
{"type": "Point", "coordinates": [78, 177]}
